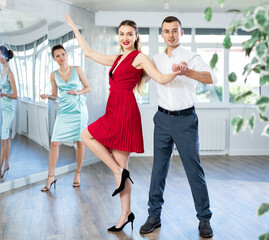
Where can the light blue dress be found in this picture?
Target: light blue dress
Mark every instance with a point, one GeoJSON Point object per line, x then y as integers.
{"type": "Point", "coordinates": [8, 106]}
{"type": "Point", "coordinates": [72, 117]}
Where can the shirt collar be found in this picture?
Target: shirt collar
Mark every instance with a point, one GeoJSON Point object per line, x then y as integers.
{"type": "Point", "coordinates": [175, 51]}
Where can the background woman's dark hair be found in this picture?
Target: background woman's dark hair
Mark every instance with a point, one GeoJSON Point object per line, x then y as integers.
{"type": "Point", "coordinates": [171, 19]}
{"type": "Point", "coordinates": [137, 45]}
{"type": "Point", "coordinates": [8, 54]}
{"type": "Point", "coordinates": [56, 47]}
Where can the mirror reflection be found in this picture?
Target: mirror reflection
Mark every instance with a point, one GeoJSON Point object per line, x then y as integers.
{"type": "Point", "coordinates": [25, 151]}
{"type": "Point", "coordinates": [68, 98]}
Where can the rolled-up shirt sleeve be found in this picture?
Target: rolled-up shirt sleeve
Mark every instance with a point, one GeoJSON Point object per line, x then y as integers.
{"type": "Point", "coordinates": [197, 63]}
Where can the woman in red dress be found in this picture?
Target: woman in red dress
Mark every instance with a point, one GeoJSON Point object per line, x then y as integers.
{"type": "Point", "coordinates": [119, 131]}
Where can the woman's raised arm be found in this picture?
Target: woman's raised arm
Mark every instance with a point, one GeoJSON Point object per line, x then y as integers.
{"type": "Point", "coordinates": [107, 60]}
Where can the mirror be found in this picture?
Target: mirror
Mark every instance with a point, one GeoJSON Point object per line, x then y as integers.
{"type": "Point", "coordinates": [27, 37]}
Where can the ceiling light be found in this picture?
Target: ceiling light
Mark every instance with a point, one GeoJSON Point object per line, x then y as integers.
{"type": "Point", "coordinates": [166, 5]}
{"type": "Point", "coordinates": [2, 4]}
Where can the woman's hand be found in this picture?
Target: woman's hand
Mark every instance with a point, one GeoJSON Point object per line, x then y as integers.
{"type": "Point", "coordinates": [181, 68]}
{"type": "Point", "coordinates": [44, 96]}
{"type": "Point", "coordinates": [72, 92]}
{"type": "Point", "coordinates": [69, 21]}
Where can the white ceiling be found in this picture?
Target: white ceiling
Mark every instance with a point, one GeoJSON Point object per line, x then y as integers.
{"type": "Point", "coordinates": [13, 21]}
{"type": "Point", "coordinates": [158, 5]}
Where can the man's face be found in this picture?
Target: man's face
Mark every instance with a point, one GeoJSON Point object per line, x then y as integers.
{"type": "Point", "coordinates": [171, 33]}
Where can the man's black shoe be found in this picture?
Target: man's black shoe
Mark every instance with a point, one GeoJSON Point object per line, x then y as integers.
{"type": "Point", "coordinates": [205, 229]}
{"type": "Point", "coordinates": [150, 225]}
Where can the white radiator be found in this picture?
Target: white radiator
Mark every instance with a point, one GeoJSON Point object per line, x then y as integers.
{"type": "Point", "coordinates": [212, 133]}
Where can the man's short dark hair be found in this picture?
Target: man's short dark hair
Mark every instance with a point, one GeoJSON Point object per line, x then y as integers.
{"type": "Point", "coordinates": [171, 19]}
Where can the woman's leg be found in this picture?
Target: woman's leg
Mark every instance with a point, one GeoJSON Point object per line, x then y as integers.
{"type": "Point", "coordinates": [80, 157]}
{"type": "Point", "coordinates": [53, 157]}
{"type": "Point", "coordinates": [6, 154]}
{"type": "Point", "coordinates": [102, 153]}
{"type": "Point", "coordinates": [125, 195]}
{"type": "Point", "coordinates": [3, 150]}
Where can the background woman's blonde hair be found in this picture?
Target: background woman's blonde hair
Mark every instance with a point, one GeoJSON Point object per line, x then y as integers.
{"type": "Point", "coordinates": [137, 45]}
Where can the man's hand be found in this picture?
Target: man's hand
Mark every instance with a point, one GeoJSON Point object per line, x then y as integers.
{"type": "Point", "coordinates": [181, 67]}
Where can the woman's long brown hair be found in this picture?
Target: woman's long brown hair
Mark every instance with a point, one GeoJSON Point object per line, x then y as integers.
{"type": "Point", "coordinates": [137, 45]}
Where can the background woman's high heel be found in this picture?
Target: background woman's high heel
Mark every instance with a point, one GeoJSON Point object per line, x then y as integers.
{"type": "Point", "coordinates": [131, 218]}
{"type": "Point", "coordinates": [4, 172]}
{"type": "Point", "coordinates": [125, 174]}
{"type": "Point", "coordinates": [76, 184]}
{"type": "Point", "coordinates": [46, 189]}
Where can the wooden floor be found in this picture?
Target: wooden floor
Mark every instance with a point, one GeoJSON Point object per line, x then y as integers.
{"type": "Point", "coordinates": [237, 186]}
{"type": "Point", "coordinates": [28, 157]}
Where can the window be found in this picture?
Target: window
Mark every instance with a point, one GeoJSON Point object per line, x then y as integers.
{"type": "Point", "coordinates": [212, 93]}
{"type": "Point", "coordinates": [29, 68]}
{"type": "Point", "coordinates": [237, 61]}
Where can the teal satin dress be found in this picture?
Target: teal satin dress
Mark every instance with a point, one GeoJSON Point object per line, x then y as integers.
{"type": "Point", "coordinates": [72, 117]}
{"type": "Point", "coordinates": [8, 107]}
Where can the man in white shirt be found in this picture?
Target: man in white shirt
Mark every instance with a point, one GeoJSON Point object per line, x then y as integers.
{"type": "Point", "coordinates": [176, 122]}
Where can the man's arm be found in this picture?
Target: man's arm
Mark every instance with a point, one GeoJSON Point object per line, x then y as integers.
{"type": "Point", "coordinates": [198, 70]}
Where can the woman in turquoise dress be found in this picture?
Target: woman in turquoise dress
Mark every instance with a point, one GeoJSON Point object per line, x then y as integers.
{"type": "Point", "coordinates": [72, 115]}
{"type": "Point", "coordinates": [8, 94]}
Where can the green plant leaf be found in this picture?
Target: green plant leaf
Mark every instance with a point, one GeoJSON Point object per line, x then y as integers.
{"type": "Point", "coordinates": [232, 77]}
{"type": "Point", "coordinates": [246, 67]}
{"type": "Point", "coordinates": [264, 80]}
{"type": "Point", "coordinates": [261, 50]}
{"type": "Point", "coordinates": [208, 14]}
{"type": "Point", "coordinates": [233, 10]}
{"type": "Point", "coordinates": [227, 41]}
{"type": "Point", "coordinates": [251, 122]}
{"type": "Point", "coordinates": [257, 70]}
{"type": "Point", "coordinates": [265, 236]}
{"type": "Point", "coordinates": [260, 16]}
{"type": "Point", "coordinates": [254, 60]}
{"type": "Point", "coordinates": [244, 95]}
{"type": "Point", "coordinates": [249, 24]}
{"type": "Point", "coordinates": [237, 122]}
{"type": "Point", "coordinates": [214, 60]}
{"type": "Point", "coordinates": [249, 43]}
{"type": "Point", "coordinates": [262, 209]}
{"type": "Point", "coordinates": [265, 131]}
{"type": "Point", "coordinates": [222, 1]}
{"type": "Point", "coordinates": [262, 100]}
{"type": "Point", "coordinates": [263, 118]}
{"type": "Point", "coordinates": [262, 109]}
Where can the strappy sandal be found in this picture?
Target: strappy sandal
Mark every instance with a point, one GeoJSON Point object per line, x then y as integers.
{"type": "Point", "coordinates": [76, 184]}
{"type": "Point", "coordinates": [46, 189]}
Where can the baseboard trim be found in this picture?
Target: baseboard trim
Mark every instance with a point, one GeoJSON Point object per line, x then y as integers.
{"type": "Point", "coordinates": [245, 152]}
{"type": "Point", "coordinates": [20, 182]}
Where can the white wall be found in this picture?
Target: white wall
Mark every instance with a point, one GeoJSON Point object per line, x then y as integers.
{"type": "Point", "coordinates": [244, 143]}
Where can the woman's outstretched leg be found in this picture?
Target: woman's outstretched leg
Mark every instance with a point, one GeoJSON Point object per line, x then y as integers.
{"type": "Point", "coordinates": [122, 159]}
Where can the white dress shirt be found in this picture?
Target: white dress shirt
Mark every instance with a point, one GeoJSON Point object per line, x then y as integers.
{"type": "Point", "coordinates": [180, 93]}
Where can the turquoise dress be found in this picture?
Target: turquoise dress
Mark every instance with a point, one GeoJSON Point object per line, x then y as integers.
{"type": "Point", "coordinates": [8, 106]}
{"type": "Point", "coordinates": [72, 117]}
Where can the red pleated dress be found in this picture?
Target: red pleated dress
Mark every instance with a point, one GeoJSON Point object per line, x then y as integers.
{"type": "Point", "coordinates": [120, 128]}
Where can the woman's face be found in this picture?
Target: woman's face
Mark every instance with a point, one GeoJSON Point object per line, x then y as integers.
{"type": "Point", "coordinates": [2, 58]}
{"type": "Point", "coordinates": [127, 37]}
{"type": "Point", "coordinates": [60, 56]}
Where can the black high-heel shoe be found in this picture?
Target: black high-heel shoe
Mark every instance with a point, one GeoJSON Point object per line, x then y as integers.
{"type": "Point", "coordinates": [131, 218]}
{"type": "Point", "coordinates": [125, 174]}
{"type": "Point", "coordinates": [4, 172]}
{"type": "Point", "coordinates": [46, 189]}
